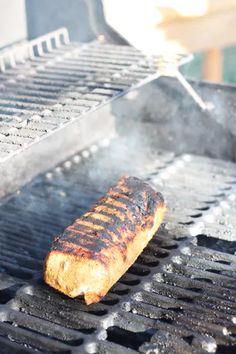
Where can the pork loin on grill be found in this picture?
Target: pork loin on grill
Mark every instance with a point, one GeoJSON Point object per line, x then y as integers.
{"type": "Point", "coordinates": [98, 248]}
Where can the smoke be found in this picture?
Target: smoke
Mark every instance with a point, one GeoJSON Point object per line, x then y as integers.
{"type": "Point", "coordinates": [124, 156]}
{"type": "Point", "coordinates": [162, 116]}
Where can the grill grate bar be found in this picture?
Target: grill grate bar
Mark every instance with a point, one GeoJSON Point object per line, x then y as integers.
{"type": "Point", "coordinates": [24, 336]}
{"type": "Point", "coordinates": [183, 328]}
{"type": "Point", "coordinates": [34, 323]}
{"type": "Point", "coordinates": [199, 299]}
{"type": "Point", "coordinates": [10, 347]}
{"type": "Point", "coordinates": [31, 306]}
{"type": "Point", "coordinates": [190, 283]}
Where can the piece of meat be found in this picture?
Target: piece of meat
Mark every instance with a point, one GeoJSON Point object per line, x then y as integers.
{"type": "Point", "coordinates": [97, 249]}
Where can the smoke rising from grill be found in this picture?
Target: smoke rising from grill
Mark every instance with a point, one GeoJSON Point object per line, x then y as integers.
{"type": "Point", "coordinates": [163, 115]}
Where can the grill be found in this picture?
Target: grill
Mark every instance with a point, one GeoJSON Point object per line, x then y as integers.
{"type": "Point", "coordinates": [179, 296]}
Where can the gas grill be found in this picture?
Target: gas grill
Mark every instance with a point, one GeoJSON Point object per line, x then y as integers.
{"type": "Point", "coordinates": [73, 119]}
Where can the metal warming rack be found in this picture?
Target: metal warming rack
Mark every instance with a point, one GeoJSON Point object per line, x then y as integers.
{"type": "Point", "coordinates": [179, 296]}
{"type": "Point", "coordinates": [53, 95]}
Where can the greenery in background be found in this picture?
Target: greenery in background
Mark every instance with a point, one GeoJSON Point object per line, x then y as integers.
{"type": "Point", "coordinates": [193, 70]}
{"type": "Point", "coordinates": [229, 65]}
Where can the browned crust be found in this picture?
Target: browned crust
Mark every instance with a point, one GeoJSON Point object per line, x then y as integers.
{"type": "Point", "coordinates": [96, 250]}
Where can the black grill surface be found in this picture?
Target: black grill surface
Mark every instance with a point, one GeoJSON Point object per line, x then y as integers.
{"type": "Point", "coordinates": [178, 297]}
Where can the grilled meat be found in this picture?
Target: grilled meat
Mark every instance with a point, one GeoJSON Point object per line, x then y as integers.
{"type": "Point", "coordinates": [98, 248]}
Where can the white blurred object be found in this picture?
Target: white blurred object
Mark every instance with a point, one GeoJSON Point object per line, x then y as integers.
{"type": "Point", "coordinates": [185, 8]}
{"type": "Point", "coordinates": [173, 26]}
{"type": "Point", "coordinates": [12, 22]}
{"type": "Point", "coordinates": [137, 21]}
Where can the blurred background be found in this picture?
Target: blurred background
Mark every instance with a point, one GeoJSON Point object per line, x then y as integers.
{"type": "Point", "coordinates": [203, 27]}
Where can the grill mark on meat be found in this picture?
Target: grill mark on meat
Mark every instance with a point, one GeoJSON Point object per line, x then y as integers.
{"type": "Point", "coordinates": [121, 188]}
{"type": "Point", "coordinates": [103, 209]}
{"type": "Point", "coordinates": [108, 234]}
{"type": "Point", "coordinates": [104, 239]}
{"type": "Point", "coordinates": [134, 211]}
{"type": "Point", "coordinates": [97, 215]}
{"type": "Point", "coordinates": [117, 193]}
{"type": "Point", "coordinates": [138, 196]}
{"type": "Point", "coordinates": [76, 250]}
{"type": "Point", "coordinates": [121, 199]}
{"type": "Point", "coordinates": [121, 210]}
{"type": "Point", "coordinates": [90, 225]}
{"type": "Point", "coordinates": [87, 241]}
{"type": "Point", "coordinates": [114, 226]}
{"type": "Point", "coordinates": [99, 226]}
{"type": "Point", "coordinates": [112, 201]}
{"type": "Point", "coordinates": [116, 217]}
{"type": "Point", "coordinates": [96, 240]}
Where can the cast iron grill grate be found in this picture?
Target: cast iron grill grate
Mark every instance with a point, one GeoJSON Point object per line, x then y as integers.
{"type": "Point", "coordinates": [179, 296]}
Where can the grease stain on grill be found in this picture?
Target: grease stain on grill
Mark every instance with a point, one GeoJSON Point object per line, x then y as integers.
{"type": "Point", "coordinates": [222, 349]}
{"type": "Point", "coordinates": [140, 271]}
{"type": "Point", "coordinates": [186, 299]}
{"type": "Point", "coordinates": [188, 339]}
{"type": "Point", "coordinates": [149, 263]}
{"type": "Point", "coordinates": [110, 302]}
{"type": "Point", "coordinates": [205, 208]}
{"type": "Point", "coordinates": [216, 244]}
{"type": "Point", "coordinates": [8, 293]}
{"type": "Point", "coordinates": [132, 340]}
{"type": "Point", "coordinates": [171, 247]}
{"type": "Point", "coordinates": [165, 320]}
{"type": "Point", "coordinates": [59, 336]}
{"type": "Point", "coordinates": [197, 290]}
{"type": "Point", "coordinates": [204, 280]}
{"type": "Point", "coordinates": [195, 216]}
{"type": "Point", "coordinates": [121, 291]}
{"type": "Point", "coordinates": [130, 282]}
{"type": "Point", "coordinates": [215, 271]}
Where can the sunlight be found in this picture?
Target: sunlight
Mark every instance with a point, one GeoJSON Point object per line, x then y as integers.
{"type": "Point", "coordinates": [185, 8]}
